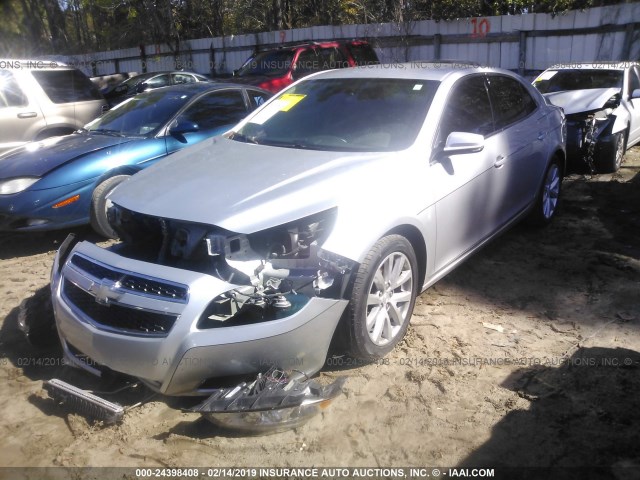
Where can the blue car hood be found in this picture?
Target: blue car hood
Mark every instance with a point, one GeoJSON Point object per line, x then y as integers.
{"type": "Point", "coordinates": [36, 159]}
{"type": "Point", "coordinates": [246, 188]}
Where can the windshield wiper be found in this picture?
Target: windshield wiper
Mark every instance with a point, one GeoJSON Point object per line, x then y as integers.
{"type": "Point", "coordinates": [243, 138]}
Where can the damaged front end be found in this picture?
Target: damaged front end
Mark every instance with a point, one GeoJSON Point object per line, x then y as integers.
{"type": "Point", "coordinates": [592, 125]}
{"type": "Point", "coordinates": [187, 307]}
{"type": "Point", "coordinates": [590, 136]}
{"type": "Point", "coordinates": [273, 272]}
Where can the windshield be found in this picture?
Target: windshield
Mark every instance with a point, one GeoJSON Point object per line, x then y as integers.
{"type": "Point", "coordinates": [141, 115]}
{"type": "Point", "coordinates": [274, 63]}
{"type": "Point", "coordinates": [574, 79]}
{"type": "Point", "coordinates": [351, 114]}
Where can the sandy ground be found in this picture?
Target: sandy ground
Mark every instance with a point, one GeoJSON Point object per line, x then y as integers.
{"type": "Point", "coordinates": [557, 386]}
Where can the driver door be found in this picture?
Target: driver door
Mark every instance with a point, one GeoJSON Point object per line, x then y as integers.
{"type": "Point", "coordinates": [467, 195]}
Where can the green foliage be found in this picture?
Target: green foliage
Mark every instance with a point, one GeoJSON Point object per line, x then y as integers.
{"type": "Point", "coordinates": [32, 27]}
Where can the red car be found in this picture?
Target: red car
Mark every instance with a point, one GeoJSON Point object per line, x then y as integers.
{"type": "Point", "coordinates": [278, 68]}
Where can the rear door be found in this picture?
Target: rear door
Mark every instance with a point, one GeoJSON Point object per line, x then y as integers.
{"type": "Point", "coordinates": [523, 128]}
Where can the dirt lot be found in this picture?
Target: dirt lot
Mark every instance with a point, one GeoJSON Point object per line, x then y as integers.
{"type": "Point", "coordinates": [527, 355]}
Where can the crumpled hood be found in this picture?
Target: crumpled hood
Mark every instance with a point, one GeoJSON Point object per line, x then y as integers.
{"type": "Point", "coordinates": [576, 101]}
{"type": "Point", "coordinates": [246, 188]}
{"type": "Point", "coordinates": [36, 159]}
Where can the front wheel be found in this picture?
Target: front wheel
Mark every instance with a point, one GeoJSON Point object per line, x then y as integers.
{"type": "Point", "coordinates": [100, 205]}
{"type": "Point", "coordinates": [546, 203]}
{"type": "Point", "coordinates": [383, 297]}
{"type": "Point", "coordinates": [609, 159]}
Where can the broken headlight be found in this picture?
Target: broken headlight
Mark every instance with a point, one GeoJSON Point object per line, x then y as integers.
{"type": "Point", "coordinates": [278, 271]}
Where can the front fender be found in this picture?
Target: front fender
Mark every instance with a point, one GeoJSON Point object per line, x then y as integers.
{"type": "Point", "coordinates": [622, 119]}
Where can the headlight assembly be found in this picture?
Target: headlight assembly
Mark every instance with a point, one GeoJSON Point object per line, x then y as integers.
{"type": "Point", "coordinates": [16, 185]}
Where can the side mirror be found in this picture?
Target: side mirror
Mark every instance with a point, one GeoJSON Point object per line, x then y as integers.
{"type": "Point", "coordinates": [141, 87]}
{"type": "Point", "coordinates": [180, 127]}
{"type": "Point", "coordinates": [463, 142]}
{"type": "Point", "coordinates": [635, 93]}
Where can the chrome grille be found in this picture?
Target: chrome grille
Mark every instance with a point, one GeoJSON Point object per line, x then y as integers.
{"type": "Point", "coordinates": [134, 283]}
{"type": "Point", "coordinates": [118, 318]}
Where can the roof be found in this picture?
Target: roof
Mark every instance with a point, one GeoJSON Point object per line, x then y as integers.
{"type": "Point", "coordinates": [425, 70]}
{"type": "Point", "coordinates": [198, 87]}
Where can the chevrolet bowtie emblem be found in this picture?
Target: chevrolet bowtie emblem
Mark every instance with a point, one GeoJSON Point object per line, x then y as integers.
{"type": "Point", "coordinates": [105, 291]}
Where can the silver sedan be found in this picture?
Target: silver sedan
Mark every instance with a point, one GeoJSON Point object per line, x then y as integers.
{"type": "Point", "coordinates": [320, 217]}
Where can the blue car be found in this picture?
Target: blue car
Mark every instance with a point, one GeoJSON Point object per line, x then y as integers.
{"type": "Point", "coordinates": [63, 182]}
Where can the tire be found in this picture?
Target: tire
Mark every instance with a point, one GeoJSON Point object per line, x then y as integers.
{"type": "Point", "coordinates": [548, 198]}
{"type": "Point", "coordinates": [100, 205]}
{"type": "Point", "coordinates": [37, 321]}
{"type": "Point", "coordinates": [610, 159]}
{"type": "Point", "coordinates": [371, 336]}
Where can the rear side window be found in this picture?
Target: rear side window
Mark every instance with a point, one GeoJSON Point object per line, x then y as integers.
{"type": "Point", "coordinates": [510, 99]}
{"type": "Point", "coordinates": [66, 86]}
{"type": "Point", "coordinates": [180, 78]}
{"type": "Point", "coordinates": [257, 97]}
{"type": "Point", "coordinates": [10, 93]}
{"type": "Point", "coordinates": [216, 110]}
{"type": "Point", "coordinates": [363, 54]}
{"type": "Point", "coordinates": [467, 110]}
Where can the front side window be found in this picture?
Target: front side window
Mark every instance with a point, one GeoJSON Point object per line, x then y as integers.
{"type": "Point", "coordinates": [510, 100]}
{"type": "Point", "coordinates": [216, 110]}
{"type": "Point", "coordinates": [344, 114]}
{"type": "Point", "coordinates": [331, 58]}
{"type": "Point", "coordinates": [66, 86]}
{"type": "Point", "coordinates": [308, 62]}
{"type": "Point", "coordinates": [467, 110]}
{"type": "Point", "coordinates": [159, 81]}
{"type": "Point", "coordinates": [10, 93]}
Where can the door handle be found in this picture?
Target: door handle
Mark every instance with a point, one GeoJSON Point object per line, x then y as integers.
{"type": "Point", "coordinates": [499, 161]}
{"type": "Point", "coordinates": [27, 115]}
{"type": "Point", "coordinates": [541, 135]}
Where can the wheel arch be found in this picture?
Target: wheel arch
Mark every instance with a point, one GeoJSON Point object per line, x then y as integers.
{"type": "Point", "coordinates": [417, 241]}
{"type": "Point", "coordinates": [121, 170]}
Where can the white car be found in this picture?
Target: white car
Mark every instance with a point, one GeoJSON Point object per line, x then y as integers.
{"type": "Point", "coordinates": [320, 217]}
{"type": "Point", "coordinates": [602, 103]}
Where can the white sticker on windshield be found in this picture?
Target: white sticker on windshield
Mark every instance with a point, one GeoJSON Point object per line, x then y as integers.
{"type": "Point", "coordinates": [417, 86]}
{"type": "Point", "coordinates": [546, 75]}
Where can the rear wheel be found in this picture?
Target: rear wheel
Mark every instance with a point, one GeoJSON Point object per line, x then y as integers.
{"type": "Point", "coordinates": [610, 159]}
{"type": "Point", "coordinates": [383, 298]}
{"type": "Point", "coordinates": [100, 204]}
{"type": "Point", "coordinates": [546, 204]}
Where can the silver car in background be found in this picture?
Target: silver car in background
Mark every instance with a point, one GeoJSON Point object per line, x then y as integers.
{"type": "Point", "coordinates": [320, 217]}
{"type": "Point", "coordinates": [41, 99]}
